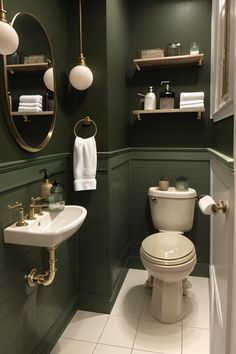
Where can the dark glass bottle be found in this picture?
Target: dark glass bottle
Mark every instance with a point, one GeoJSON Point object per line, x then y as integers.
{"type": "Point", "coordinates": [167, 97]}
{"type": "Point", "coordinates": [49, 101]}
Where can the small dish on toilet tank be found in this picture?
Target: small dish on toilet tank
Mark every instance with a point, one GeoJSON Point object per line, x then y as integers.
{"type": "Point", "coordinates": [181, 183]}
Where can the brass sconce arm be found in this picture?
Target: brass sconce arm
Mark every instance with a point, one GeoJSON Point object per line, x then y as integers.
{"type": "Point", "coordinates": [3, 13]}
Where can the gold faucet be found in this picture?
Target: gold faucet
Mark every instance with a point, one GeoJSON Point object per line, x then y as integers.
{"type": "Point", "coordinates": [21, 220]}
{"type": "Point", "coordinates": [33, 206]}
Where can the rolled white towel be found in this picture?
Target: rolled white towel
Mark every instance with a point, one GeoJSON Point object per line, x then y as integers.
{"type": "Point", "coordinates": [196, 105]}
{"type": "Point", "coordinates": [190, 96]}
{"type": "Point", "coordinates": [191, 102]}
{"type": "Point", "coordinates": [31, 99]}
{"type": "Point", "coordinates": [30, 105]}
{"type": "Point", "coordinates": [27, 109]}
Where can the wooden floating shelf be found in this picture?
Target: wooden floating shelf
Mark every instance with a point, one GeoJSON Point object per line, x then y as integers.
{"type": "Point", "coordinates": [140, 112]}
{"type": "Point", "coordinates": [27, 67]}
{"type": "Point", "coordinates": [179, 60]}
{"type": "Point", "coordinates": [43, 113]}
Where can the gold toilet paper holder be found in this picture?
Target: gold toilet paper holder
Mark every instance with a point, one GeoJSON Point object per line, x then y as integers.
{"type": "Point", "coordinates": [221, 205]}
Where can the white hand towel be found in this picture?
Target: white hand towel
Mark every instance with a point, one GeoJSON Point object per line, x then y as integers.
{"type": "Point", "coordinates": [31, 98]}
{"type": "Point", "coordinates": [25, 104]}
{"type": "Point", "coordinates": [85, 164]}
{"type": "Point", "coordinates": [29, 109]}
{"type": "Point", "coordinates": [189, 96]}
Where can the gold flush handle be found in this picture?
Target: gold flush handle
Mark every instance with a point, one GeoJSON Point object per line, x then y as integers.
{"type": "Point", "coordinates": [221, 205]}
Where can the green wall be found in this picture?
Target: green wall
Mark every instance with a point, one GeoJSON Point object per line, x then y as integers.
{"type": "Point", "coordinates": [92, 102]}
{"type": "Point", "coordinates": [117, 50]}
{"type": "Point", "coordinates": [155, 23]}
{"type": "Point", "coordinates": [103, 245]}
{"type": "Point", "coordinates": [53, 17]}
{"type": "Point", "coordinates": [32, 319]}
{"type": "Point", "coordinates": [223, 136]}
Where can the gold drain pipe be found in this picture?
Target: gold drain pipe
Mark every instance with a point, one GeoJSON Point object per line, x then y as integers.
{"type": "Point", "coordinates": [34, 278]}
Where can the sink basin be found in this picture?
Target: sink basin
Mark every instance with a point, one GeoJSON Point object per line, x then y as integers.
{"type": "Point", "coordinates": [49, 229]}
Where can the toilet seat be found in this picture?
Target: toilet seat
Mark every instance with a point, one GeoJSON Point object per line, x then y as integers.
{"type": "Point", "coordinates": [167, 249]}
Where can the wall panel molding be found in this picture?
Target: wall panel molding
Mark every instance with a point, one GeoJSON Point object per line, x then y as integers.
{"type": "Point", "coordinates": [20, 173]}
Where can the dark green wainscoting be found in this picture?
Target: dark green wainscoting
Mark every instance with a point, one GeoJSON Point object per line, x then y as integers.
{"type": "Point", "coordinates": [32, 318]}
{"type": "Point", "coordinates": [103, 243]}
{"type": "Point", "coordinates": [119, 217]}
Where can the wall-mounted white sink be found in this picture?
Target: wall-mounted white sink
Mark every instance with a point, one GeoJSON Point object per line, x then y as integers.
{"type": "Point", "coordinates": [49, 229]}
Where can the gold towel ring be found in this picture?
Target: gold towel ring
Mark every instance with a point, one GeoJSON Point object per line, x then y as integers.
{"type": "Point", "coordinates": [86, 121]}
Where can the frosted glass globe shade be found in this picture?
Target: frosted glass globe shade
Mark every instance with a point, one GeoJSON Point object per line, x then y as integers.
{"type": "Point", "coordinates": [81, 77]}
{"type": "Point", "coordinates": [48, 79]}
{"type": "Point", "coordinates": [9, 39]}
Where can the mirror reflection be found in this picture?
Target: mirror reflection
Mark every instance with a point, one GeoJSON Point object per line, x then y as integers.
{"type": "Point", "coordinates": [29, 85]}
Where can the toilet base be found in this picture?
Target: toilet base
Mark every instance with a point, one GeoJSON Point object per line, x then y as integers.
{"type": "Point", "coordinates": [167, 301]}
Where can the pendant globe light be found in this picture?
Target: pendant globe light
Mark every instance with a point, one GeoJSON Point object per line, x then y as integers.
{"type": "Point", "coordinates": [81, 77]}
{"type": "Point", "coordinates": [48, 77]}
{"type": "Point", "coordinates": [9, 39]}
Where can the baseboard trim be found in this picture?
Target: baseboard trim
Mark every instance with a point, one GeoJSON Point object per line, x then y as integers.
{"type": "Point", "coordinates": [49, 341]}
{"type": "Point", "coordinates": [135, 262]}
{"type": "Point", "coordinates": [201, 270]}
{"type": "Point", "coordinates": [102, 304]}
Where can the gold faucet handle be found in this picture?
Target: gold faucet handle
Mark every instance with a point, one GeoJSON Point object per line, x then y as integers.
{"type": "Point", "coordinates": [35, 199]}
{"type": "Point", "coordinates": [16, 205]}
{"type": "Point", "coordinates": [21, 221]}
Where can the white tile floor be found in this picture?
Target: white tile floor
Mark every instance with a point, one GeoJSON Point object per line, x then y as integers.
{"type": "Point", "coordinates": [130, 328]}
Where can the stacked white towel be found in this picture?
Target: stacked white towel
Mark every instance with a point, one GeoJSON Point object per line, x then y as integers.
{"type": "Point", "coordinates": [191, 100]}
{"type": "Point", "coordinates": [30, 103]}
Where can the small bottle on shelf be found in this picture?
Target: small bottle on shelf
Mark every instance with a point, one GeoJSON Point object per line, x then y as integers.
{"type": "Point", "coordinates": [167, 97]}
{"type": "Point", "coordinates": [194, 48]}
{"type": "Point", "coordinates": [49, 101]}
{"type": "Point", "coordinates": [150, 100]}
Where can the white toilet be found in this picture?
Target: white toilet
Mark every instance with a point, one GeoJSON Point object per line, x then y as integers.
{"type": "Point", "coordinates": [169, 256]}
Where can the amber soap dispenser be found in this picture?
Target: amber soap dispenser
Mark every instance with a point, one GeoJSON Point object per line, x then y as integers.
{"type": "Point", "coordinates": [167, 97]}
{"type": "Point", "coordinates": [46, 185]}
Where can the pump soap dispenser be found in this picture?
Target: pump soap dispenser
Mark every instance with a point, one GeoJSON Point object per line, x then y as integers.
{"type": "Point", "coordinates": [56, 202]}
{"type": "Point", "coordinates": [167, 97]}
{"type": "Point", "coordinates": [46, 185]}
{"type": "Point", "coordinates": [150, 100]}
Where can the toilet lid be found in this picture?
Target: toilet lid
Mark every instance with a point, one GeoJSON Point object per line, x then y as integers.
{"type": "Point", "coordinates": [167, 246]}
{"type": "Point", "coordinates": [172, 193]}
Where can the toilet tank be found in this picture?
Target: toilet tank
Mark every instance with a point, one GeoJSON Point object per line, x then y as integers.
{"type": "Point", "coordinates": [172, 210]}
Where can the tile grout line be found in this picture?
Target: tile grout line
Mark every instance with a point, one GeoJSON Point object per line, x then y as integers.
{"type": "Point", "coordinates": [139, 319]}
{"type": "Point", "coordinates": [182, 336]}
{"type": "Point", "coordinates": [101, 333]}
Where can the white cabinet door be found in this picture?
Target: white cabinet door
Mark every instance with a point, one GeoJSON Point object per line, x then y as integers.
{"type": "Point", "coordinates": [222, 242]}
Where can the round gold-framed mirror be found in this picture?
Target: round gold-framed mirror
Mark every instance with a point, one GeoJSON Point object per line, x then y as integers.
{"type": "Point", "coordinates": [29, 99]}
